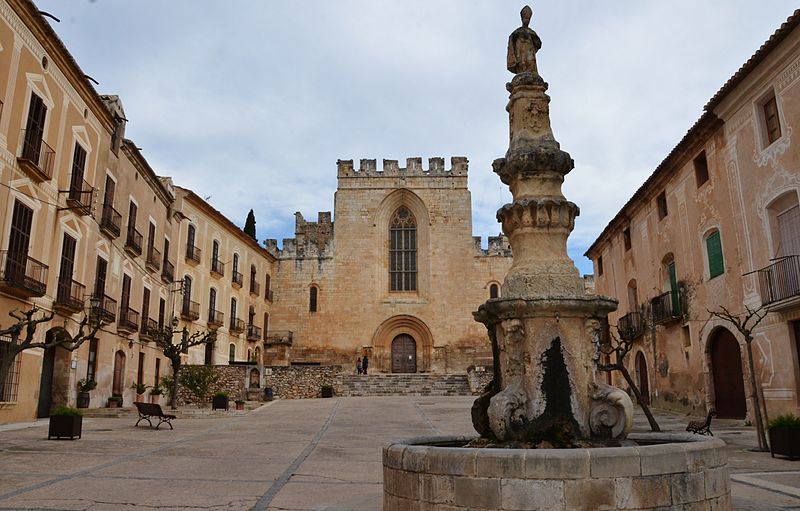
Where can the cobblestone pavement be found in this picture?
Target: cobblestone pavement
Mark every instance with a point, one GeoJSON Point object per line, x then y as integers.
{"type": "Point", "coordinates": [320, 454]}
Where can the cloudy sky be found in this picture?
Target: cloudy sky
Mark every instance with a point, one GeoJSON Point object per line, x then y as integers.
{"type": "Point", "coordinates": [252, 102]}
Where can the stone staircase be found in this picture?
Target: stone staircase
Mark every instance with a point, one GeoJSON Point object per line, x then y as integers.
{"type": "Point", "coordinates": [404, 385]}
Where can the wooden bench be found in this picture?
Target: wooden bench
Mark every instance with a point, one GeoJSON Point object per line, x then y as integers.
{"type": "Point", "coordinates": [701, 427]}
{"type": "Point", "coordinates": [149, 411]}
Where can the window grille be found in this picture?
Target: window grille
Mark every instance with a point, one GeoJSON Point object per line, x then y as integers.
{"type": "Point", "coordinates": [9, 388]}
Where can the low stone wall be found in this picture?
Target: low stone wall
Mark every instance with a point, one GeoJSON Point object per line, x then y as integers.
{"type": "Point", "coordinates": [230, 379]}
{"type": "Point", "coordinates": [302, 382]}
{"type": "Point", "coordinates": [691, 473]}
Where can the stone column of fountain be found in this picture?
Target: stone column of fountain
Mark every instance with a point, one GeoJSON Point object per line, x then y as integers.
{"type": "Point", "coordinates": [544, 329]}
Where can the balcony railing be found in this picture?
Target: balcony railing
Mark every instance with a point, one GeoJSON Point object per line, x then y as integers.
{"type": "Point", "coordinates": [36, 158]}
{"type": "Point", "coordinates": [192, 254]}
{"type": "Point", "coordinates": [215, 318]}
{"type": "Point", "coordinates": [269, 296]}
{"type": "Point", "coordinates": [667, 307]}
{"type": "Point", "coordinates": [148, 329]}
{"type": "Point", "coordinates": [255, 288]}
{"type": "Point", "coordinates": [631, 326]}
{"type": "Point", "coordinates": [128, 320]}
{"type": "Point", "coordinates": [110, 221]}
{"type": "Point", "coordinates": [253, 333]}
{"type": "Point", "coordinates": [79, 197]}
{"type": "Point", "coordinates": [237, 325]}
{"type": "Point", "coordinates": [217, 267]}
{"type": "Point", "coordinates": [190, 310]}
{"type": "Point", "coordinates": [168, 272]}
{"type": "Point", "coordinates": [780, 280]}
{"type": "Point", "coordinates": [133, 242]}
{"type": "Point", "coordinates": [237, 279]}
{"type": "Point", "coordinates": [153, 261]}
{"type": "Point", "coordinates": [105, 310]}
{"type": "Point", "coordinates": [279, 337]}
{"type": "Point", "coordinates": [69, 296]}
{"type": "Point", "coordinates": [21, 275]}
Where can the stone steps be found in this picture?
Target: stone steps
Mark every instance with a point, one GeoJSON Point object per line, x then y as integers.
{"type": "Point", "coordinates": [404, 385]}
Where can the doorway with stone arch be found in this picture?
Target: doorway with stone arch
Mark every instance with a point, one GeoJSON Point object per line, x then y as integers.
{"type": "Point", "coordinates": [404, 354]}
{"type": "Point", "coordinates": [641, 378]}
{"type": "Point", "coordinates": [725, 357]}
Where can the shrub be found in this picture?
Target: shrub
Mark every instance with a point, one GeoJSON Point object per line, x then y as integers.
{"type": "Point", "coordinates": [66, 411]}
{"type": "Point", "coordinates": [788, 420]}
{"type": "Point", "coordinates": [166, 384]}
{"type": "Point", "coordinates": [140, 388]}
{"type": "Point", "coordinates": [239, 401]}
{"type": "Point", "coordinates": [197, 380]}
{"type": "Point", "coordinates": [86, 385]}
{"type": "Point", "coordinates": [221, 394]}
{"type": "Point", "coordinates": [115, 397]}
{"type": "Point", "coordinates": [155, 390]}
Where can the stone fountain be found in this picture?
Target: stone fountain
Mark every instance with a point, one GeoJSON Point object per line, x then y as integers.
{"type": "Point", "coordinates": [552, 435]}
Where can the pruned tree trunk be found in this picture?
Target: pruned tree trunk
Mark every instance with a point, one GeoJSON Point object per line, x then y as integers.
{"type": "Point", "coordinates": [636, 392]}
{"type": "Point", "coordinates": [756, 402]}
{"type": "Point", "coordinates": [176, 368]}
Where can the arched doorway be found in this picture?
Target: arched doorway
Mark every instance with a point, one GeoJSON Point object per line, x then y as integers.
{"type": "Point", "coordinates": [118, 384]}
{"type": "Point", "coordinates": [726, 369]}
{"type": "Point", "coordinates": [404, 354]}
{"type": "Point", "coordinates": [641, 378]}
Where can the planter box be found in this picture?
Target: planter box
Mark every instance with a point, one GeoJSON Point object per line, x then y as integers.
{"type": "Point", "coordinates": [155, 398]}
{"type": "Point", "coordinates": [219, 403]}
{"type": "Point", "coordinates": [83, 400]}
{"type": "Point", "coordinates": [785, 440]}
{"type": "Point", "coordinates": [62, 427]}
{"type": "Point", "coordinates": [140, 398]}
{"type": "Point", "coordinates": [113, 403]}
{"type": "Point", "coordinates": [240, 406]}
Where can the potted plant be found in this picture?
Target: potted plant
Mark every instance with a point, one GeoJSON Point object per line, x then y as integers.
{"type": "Point", "coordinates": [327, 390]}
{"type": "Point", "coordinates": [155, 394]}
{"type": "Point", "coordinates": [65, 421]}
{"type": "Point", "coordinates": [84, 387]}
{"type": "Point", "coordinates": [115, 401]}
{"type": "Point", "coordinates": [784, 436]}
{"type": "Point", "coordinates": [140, 388]}
{"type": "Point", "coordinates": [239, 404]}
{"type": "Point", "coordinates": [219, 401]}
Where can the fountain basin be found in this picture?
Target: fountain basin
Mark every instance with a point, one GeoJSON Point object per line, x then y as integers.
{"type": "Point", "coordinates": [666, 471]}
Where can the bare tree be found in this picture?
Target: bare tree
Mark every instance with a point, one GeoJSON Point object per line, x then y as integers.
{"type": "Point", "coordinates": [21, 336]}
{"type": "Point", "coordinates": [745, 323]}
{"type": "Point", "coordinates": [619, 349]}
{"type": "Point", "coordinates": [165, 340]}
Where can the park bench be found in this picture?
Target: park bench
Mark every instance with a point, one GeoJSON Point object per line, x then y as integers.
{"type": "Point", "coordinates": [149, 411]}
{"type": "Point", "coordinates": [701, 427]}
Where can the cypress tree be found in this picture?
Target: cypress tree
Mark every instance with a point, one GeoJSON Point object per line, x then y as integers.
{"type": "Point", "coordinates": [250, 225]}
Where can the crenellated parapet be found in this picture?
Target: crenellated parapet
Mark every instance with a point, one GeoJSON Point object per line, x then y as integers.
{"type": "Point", "coordinates": [391, 168]}
{"type": "Point", "coordinates": [313, 240]}
{"type": "Point", "coordinates": [497, 246]}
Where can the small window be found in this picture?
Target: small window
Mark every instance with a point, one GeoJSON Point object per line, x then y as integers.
{"type": "Point", "coordinates": [600, 265]}
{"type": "Point", "coordinates": [661, 202]}
{"type": "Point", "coordinates": [701, 169]}
{"type": "Point", "coordinates": [312, 299]}
{"type": "Point", "coordinates": [232, 353]}
{"type": "Point", "coordinates": [494, 291]}
{"type": "Point", "coordinates": [626, 237]}
{"type": "Point", "coordinates": [716, 265]}
{"type": "Point", "coordinates": [772, 122]}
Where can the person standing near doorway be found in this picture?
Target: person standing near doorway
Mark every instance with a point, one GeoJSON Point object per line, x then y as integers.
{"type": "Point", "coordinates": [364, 364]}
{"type": "Point", "coordinates": [358, 365]}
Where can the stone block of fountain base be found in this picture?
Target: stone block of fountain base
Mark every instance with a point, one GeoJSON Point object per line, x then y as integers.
{"type": "Point", "coordinates": [673, 471]}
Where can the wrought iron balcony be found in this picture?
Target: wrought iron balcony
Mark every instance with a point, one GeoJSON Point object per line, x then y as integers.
{"type": "Point", "coordinates": [667, 307]}
{"type": "Point", "coordinates": [105, 310]}
{"type": "Point", "coordinates": [148, 329]}
{"type": "Point", "coordinates": [69, 296]}
{"type": "Point", "coordinates": [36, 158]}
{"type": "Point", "coordinates": [780, 280]}
{"type": "Point", "coordinates": [218, 268]}
{"type": "Point", "coordinates": [133, 242]}
{"type": "Point", "coordinates": [153, 261]}
{"type": "Point", "coordinates": [278, 337]}
{"type": "Point", "coordinates": [190, 310]}
{"type": "Point", "coordinates": [21, 275]}
{"type": "Point", "coordinates": [236, 279]}
{"type": "Point", "coordinates": [168, 272]}
{"type": "Point", "coordinates": [111, 221]}
{"type": "Point", "coordinates": [79, 197]}
{"type": "Point", "coordinates": [192, 254]}
{"type": "Point", "coordinates": [237, 325]}
{"type": "Point", "coordinates": [215, 318]}
{"type": "Point", "coordinates": [128, 320]}
{"type": "Point", "coordinates": [631, 326]}
{"type": "Point", "coordinates": [255, 288]}
{"type": "Point", "coordinates": [253, 333]}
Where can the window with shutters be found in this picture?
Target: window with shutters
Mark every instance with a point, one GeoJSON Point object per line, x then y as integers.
{"type": "Point", "coordinates": [9, 388]}
{"type": "Point", "coordinates": [716, 264]}
{"type": "Point", "coordinates": [64, 292]}
{"type": "Point", "coordinates": [91, 366]}
{"type": "Point", "coordinates": [771, 121]}
{"type": "Point", "coordinates": [403, 251]}
{"type": "Point", "coordinates": [100, 277]}
{"type": "Point", "coordinates": [784, 223]}
{"type": "Point", "coordinates": [78, 165]}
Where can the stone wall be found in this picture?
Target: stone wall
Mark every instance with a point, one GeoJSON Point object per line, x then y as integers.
{"type": "Point", "coordinates": [479, 378]}
{"type": "Point", "coordinates": [300, 382]}
{"type": "Point", "coordinates": [230, 379]}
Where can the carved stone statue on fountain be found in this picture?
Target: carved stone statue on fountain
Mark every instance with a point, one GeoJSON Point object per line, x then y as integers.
{"type": "Point", "coordinates": [544, 329]}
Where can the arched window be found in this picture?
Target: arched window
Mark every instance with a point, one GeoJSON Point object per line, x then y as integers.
{"type": "Point", "coordinates": [494, 291]}
{"type": "Point", "coordinates": [216, 265]}
{"type": "Point", "coordinates": [403, 251]}
{"type": "Point", "coordinates": [232, 353]}
{"type": "Point", "coordinates": [312, 299]}
{"type": "Point", "coordinates": [190, 238]}
{"type": "Point", "coordinates": [257, 355]}
{"type": "Point", "coordinates": [716, 265]}
{"type": "Point", "coordinates": [235, 262]}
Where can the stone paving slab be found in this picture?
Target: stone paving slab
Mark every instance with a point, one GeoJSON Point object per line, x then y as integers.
{"type": "Point", "coordinates": [321, 454]}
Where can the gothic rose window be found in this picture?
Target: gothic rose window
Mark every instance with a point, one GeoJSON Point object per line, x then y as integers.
{"type": "Point", "coordinates": [403, 251]}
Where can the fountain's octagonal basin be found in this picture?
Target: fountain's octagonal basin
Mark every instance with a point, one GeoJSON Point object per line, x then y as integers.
{"type": "Point", "coordinates": [666, 471]}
